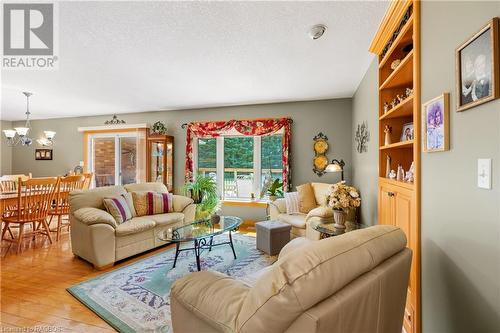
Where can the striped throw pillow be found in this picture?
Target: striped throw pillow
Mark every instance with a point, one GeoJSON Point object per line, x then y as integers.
{"type": "Point", "coordinates": [151, 203]}
{"type": "Point", "coordinates": [292, 203]}
{"type": "Point", "coordinates": [119, 207]}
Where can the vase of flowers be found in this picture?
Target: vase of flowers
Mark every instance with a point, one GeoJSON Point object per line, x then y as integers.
{"type": "Point", "coordinates": [342, 198]}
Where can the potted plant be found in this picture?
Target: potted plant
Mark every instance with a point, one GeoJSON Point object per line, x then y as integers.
{"type": "Point", "coordinates": [203, 190]}
{"type": "Point", "coordinates": [342, 198]}
{"type": "Point", "coordinates": [275, 189]}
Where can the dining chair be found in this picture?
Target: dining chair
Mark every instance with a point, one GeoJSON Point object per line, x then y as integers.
{"type": "Point", "coordinates": [8, 183]}
{"type": "Point", "coordinates": [34, 201]}
{"type": "Point", "coordinates": [60, 205]}
{"type": "Point", "coordinates": [88, 180]}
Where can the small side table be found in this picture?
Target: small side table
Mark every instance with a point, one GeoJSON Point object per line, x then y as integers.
{"type": "Point", "coordinates": [272, 236]}
{"type": "Point", "coordinates": [326, 230]}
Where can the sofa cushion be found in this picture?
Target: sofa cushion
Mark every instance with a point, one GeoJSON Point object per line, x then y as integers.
{"type": "Point", "coordinates": [296, 220]}
{"type": "Point", "coordinates": [135, 225]}
{"type": "Point", "coordinates": [150, 203]}
{"type": "Point", "coordinates": [292, 202]}
{"type": "Point", "coordinates": [320, 192]}
{"type": "Point", "coordinates": [145, 187]}
{"type": "Point", "coordinates": [93, 198]}
{"type": "Point", "coordinates": [307, 201]}
{"type": "Point", "coordinates": [181, 202]}
{"type": "Point", "coordinates": [119, 207]}
{"type": "Point", "coordinates": [168, 218]}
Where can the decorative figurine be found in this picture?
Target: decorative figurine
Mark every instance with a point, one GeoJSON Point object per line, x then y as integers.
{"type": "Point", "coordinates": [387, 131]}
{"type": "Point", "coordinates": [395, 64]}
{"type": "Point", "coordinates": [410, 174]}
{"type": "Point", "coordinates": [401, 174]}
{"type": "Point", "coordinates": [394, 102]}
{"type": "Point", "coordinates": [400, 98]}
{"type": "Point", "coordinates": [386, 107]}
{"type": "Point", "coordinates": [392, 174]}
{"type": "Point", "coordinates": [387, 166]}
{"type": "Point", "coordinates": [408, 92]}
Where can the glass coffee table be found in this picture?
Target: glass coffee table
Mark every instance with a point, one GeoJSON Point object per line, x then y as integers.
{"type": "Point", "coordinates": [325, 230]}
{"type": "Point", "coordinates": [202, 234]}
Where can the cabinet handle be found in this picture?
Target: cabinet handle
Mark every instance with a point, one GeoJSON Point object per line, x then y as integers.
{"type": "Point", "coordinates": [391, 194]}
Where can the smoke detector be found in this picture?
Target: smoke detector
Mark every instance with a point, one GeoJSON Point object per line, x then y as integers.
{"type": "Point", "coordinates": [317, 31]}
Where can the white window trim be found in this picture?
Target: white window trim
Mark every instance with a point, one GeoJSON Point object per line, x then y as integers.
{"type": "Point", "coordinates": [257, 162]}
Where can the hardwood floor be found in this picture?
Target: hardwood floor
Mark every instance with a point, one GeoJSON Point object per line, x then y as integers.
{"type": "Point", "coordinates": [33, 287]}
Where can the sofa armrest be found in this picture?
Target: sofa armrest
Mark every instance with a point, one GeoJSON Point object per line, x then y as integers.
{"type": "Point", "coordinates": [277, 207]}
{"type": "Point", "coordinates": [189, 213]}
{"type": "Point", "coordinates": [213, 297]}
{"type": "Point", "coordinates": [90, 216]}
{"type": "Point", "coordinates": [181, 202]}
{"type": "Point", "coordinates": [324, 213]}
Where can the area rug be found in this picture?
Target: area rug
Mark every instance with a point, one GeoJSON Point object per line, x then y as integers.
{"type": "Point", "coordinates": [135, 298]}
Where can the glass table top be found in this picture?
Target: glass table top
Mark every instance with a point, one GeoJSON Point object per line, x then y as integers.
{"type": "Point", "coordinates": [327, 229]}
{"type": "Point", "coordinates": [200, 229]}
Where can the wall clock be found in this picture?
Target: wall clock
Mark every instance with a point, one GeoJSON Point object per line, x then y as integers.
{"type": "Point", "coordinates": [320, 161]}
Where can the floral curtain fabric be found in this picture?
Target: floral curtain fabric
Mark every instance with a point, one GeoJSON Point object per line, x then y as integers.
{"type": "Point", "coordinates": [245, 127]}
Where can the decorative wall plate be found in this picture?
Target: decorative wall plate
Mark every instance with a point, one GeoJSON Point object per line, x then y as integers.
{"type": "Point", "coordinates": [320, 147]}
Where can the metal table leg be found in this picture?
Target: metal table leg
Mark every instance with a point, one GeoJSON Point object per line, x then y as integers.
{"type": "Point", "coordinates": [177, 245]}
{"type": "Point", "coordinates": [231, 243]}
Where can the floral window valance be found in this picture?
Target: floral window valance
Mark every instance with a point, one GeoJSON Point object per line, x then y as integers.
{"type": "Point", "coordinates": [254, 127]}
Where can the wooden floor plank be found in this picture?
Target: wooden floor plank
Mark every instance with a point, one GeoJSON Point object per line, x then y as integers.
{"type": "Point", "coordinates": [33, 286]}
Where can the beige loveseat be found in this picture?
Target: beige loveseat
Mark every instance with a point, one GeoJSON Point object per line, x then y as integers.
{"type": "Point", "coordinates": [277, 211]}
{"type": "Point", "coordinates": [355, 282]}
{"type": "Point", "coordinates": [97, 238]}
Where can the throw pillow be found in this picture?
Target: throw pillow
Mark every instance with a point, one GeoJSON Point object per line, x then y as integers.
{"type": "Point", "coordinates": [292, 203]}
{"type": "Point", "coordinates": [119, 207]}
{"type": "Point", "coordinates": [150, 203]}
{"type": "Point", "coordinates": [307, 201]}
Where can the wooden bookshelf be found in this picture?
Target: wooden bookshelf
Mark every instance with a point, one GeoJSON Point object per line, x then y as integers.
{"type": "Point", "coordinates": [398, 40]}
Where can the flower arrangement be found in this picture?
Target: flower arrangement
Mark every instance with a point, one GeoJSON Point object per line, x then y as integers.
{"type": "Point", "coordinates": [342, 197]}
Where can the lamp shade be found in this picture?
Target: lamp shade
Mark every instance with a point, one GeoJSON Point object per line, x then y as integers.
{"type": "Point", "coordinates": [22, 131]}
{"type": "Point", "coordinates": [9, 134]}
{"type": "Point", "coordinates": [49, 134]}
{"type": "Point", "coordinates": [333, 167]}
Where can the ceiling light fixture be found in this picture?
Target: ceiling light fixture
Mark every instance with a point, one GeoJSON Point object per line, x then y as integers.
{"type": "Point", "coordinates": [317, 31]}
{"type": "Point", "coordinates": [20, 135]}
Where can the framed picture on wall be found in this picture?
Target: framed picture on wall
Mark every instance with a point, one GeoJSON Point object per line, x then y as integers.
{"type": "Point", "coordinates": [435, 114]}
{"type": "Point", "coordinates": [477, 68]}
{"type": "Point", "coordinates": [43, 154]}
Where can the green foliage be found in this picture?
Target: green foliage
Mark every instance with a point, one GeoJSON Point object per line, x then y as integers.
{"type": "Point", "coordinates": [271, 151]}
{"type": "Point", "coordinates": [203, 190]}
{"type": "Point", "coordinates": [276, 188]}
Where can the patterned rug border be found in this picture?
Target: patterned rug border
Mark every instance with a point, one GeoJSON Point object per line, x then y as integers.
{"type": "Point", "coordinates": [100, 311]}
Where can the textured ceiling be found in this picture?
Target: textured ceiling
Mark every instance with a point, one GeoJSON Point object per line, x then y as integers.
{"type": "Point", "coordinates": [118, 57]}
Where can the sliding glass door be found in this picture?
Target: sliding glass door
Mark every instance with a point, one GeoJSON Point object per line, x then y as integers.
{"type": "Point", "coordinates": [116, 158]}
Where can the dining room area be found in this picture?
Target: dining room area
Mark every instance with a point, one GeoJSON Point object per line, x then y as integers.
{"type": "Point", "coordinates": [34, 211]}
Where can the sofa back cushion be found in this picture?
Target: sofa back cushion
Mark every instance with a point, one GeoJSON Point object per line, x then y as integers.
{"type": "Point", "coordinates": [307, 200]}
{"type": "Point", "coordinates": [320, 192]}
{"type": "Point", "coordinates": [120, 207]}
{"type": "Point", "coordinates": [150, 203]}
{"type": "Point", "coordinates": [146, 187]}
{"type": "Point", "coordinates": [298, 282]}
{"type": "Point", "coordinates": [94, 197]}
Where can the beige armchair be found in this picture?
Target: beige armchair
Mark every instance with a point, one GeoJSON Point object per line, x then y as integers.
{"type": "Point", "coordinates": [301, 222]}
{"type": "Point", "coordinates": [97, 238]}
{"type": "Point", "coordinates": [355, 282]}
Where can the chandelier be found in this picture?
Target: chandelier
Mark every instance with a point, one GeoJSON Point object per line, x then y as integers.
{"type": "Point", "coordinates": [20, 135]}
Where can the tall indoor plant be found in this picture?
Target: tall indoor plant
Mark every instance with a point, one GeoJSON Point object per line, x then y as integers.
{"type": "Point", "coordinates": [342, 198]}
{"type": "Point", "coordinates": [203, 190]}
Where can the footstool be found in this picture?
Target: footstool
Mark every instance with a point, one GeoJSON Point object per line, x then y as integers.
{"type": "Point", "coordinates": [272, 236]}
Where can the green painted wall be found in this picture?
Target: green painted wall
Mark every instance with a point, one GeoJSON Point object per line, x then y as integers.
{"type": "Point", "coordinates": [5, 151]}
{"type": "Point", "coordinates": [332, 117]}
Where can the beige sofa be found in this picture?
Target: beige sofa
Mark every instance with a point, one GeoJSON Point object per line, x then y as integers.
{"type": "Point", "coordinates": [299, 222]}
{"type": "Point", "coordinates": [97, 238]}
{"type": "Point", "coordinates": [355, 282]}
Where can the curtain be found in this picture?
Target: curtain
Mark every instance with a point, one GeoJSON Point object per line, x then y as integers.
{"type": "Point", "coordinates": [255, 127]}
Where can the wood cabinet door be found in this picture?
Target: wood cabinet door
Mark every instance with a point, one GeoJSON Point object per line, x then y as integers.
{"type": "Point", "coordinates": [404, 218]}
{"type": "Point", "coordinates": [385, 205]}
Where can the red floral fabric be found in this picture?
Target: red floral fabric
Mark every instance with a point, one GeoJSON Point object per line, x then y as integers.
{"type": "Point", "coordinates": [245, 127]}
